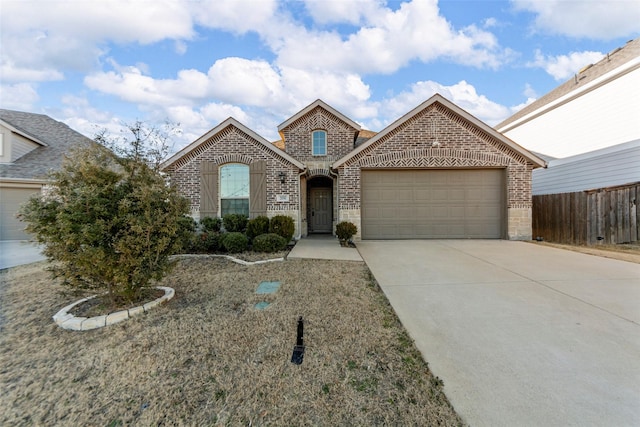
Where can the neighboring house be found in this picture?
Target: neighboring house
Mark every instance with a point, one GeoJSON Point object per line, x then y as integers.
{"type": "Point", "coordinates": [615, 166]}
{"type": "Point", "coordinates": [436, 172]}
{"type": "Point", "coordinates": [599, 107]}
{"type": "Point", "coordinates": [31, 145]}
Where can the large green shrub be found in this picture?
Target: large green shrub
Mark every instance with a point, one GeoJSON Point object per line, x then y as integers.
{"type": "Point", "coordinates": [109, 222]}
{"type": "Point", "coordinates": [234, 223]}
{"type": "Point", "coordinates": [210, 224]}
{"type": "Point", "coordinates": [282, 225]}
{"type": "Point", "coordinates": [257, 226]}
{"type": "Point", "coordinates": [235, 242]}
{"type": "Point", "coordinates": [269, 243]}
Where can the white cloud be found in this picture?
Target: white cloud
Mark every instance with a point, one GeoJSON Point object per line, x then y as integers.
{"type": "Point", "coordinates": [310, 61]}
{"type": "Point", "coordinates": [387, 41]}
{"type": "Point", "coordinates": [562, 67]}
{"type": "Point", "coordinates": [180, 47]}
{"type": "Point", "coordinates": [589, 19]}
{"type": "Point", "coordinates": [243, 81]}
{"type": "Point", "coordinates": [238, 16]}
{"type": "Point", "coordinates": [529, 92]}
{"type": "Point", "coordinates": [231, 87]}
{"type": "Point", "coordinates": [9, 72]}
{"type": "Point", "coordinates": [19, 96]}
{"type": "Point", "coordinates": [462, 94]}
{"type": "Point", "coordinates": [352, 12]}
{"type": "Point", "coordinates": [490, 23]}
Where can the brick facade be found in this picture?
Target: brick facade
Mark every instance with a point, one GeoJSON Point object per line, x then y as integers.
{"type": "Point", "coordinates": [436, 136]}
{"type": "Point", "coordinates": [297, 136]}
{"type": "Point", "coordinates": [232, 145]}
{"type": "Point", "coordinates": [460, 144]}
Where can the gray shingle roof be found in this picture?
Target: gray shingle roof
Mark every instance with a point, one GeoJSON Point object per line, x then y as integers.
{"type": "Point", "coordinates": [609, 62]}
{"type": "Point", "coordinates": [59, 137]}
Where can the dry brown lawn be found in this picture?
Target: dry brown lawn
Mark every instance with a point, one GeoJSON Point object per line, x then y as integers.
{"type": "Point", "coordinates": [629, 252]}
{"type": "Point", "coordinates": [209, 357]}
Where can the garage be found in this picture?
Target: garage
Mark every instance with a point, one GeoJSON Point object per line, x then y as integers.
{"type": "Point", "coordinates": [12, 198]}
{"type": "Point", "coordinates": [433, 204]}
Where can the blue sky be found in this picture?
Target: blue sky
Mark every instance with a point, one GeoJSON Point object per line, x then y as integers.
{"type": "Point", "coordinates": [99, 64]}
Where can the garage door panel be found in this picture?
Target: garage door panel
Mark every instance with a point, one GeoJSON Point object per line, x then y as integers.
{"type": "Point", "coordinates": [11, 228]}
{"type": "Point", "coordinates": [433, 204]}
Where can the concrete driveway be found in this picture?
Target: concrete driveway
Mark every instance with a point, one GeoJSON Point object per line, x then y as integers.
{"type": "Point", "coordinates": [521, 334]}
{"type": "Point", "coordinates": [19, 252]}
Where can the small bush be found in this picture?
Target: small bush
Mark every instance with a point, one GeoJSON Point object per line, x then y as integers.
{"type": "Point", "coordinates": [208, 242]}
{"type": "Point", "coordinates": [187, 231]}
{"type": "Point", "coordinates": [235, 242]}
{"type": "Point", "coordinates": [211, 224]}
{"type": "Point", "coordinates": [234, 223]}
{"type": "Point", "coordinates": [345, 230]}
{"type": "Point", "coordinates": [269, 243]}
{"type": "Point", "coordinates": [282, 225]}
{"type": "Point", "coordinates": [257, 226]}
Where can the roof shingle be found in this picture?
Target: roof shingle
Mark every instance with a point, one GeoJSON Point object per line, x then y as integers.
{"type": "Point", "coordinates": [59, 137]}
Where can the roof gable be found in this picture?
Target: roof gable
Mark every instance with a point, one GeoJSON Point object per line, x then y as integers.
{"type": "Point", "coordinates": [19, 131]}
{"type": "Point", "coordinates": [309, 108]}
{"type": "Point", "coordinates": [437, 98]}
{"type": "Point", "coordinates": [55, 138]}
{"type": "Point", "coordinates": [222, 126]}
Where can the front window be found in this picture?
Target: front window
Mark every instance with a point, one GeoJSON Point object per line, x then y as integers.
{"type": "Point", "coordinates": [234, 189]}
{"type": "Point", "coordinates": [319, 143]}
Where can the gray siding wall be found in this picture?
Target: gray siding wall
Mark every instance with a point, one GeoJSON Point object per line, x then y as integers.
{"type": "Point", "coordinates": [608, 167]}
{"type": "Point", "coordinates": [20, 146]}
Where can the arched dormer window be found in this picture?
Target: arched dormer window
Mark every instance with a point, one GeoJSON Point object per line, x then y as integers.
{"type": "Point", "coordinates": [234, 189]}
{"type": "Point", "coordinates": [319, 143]}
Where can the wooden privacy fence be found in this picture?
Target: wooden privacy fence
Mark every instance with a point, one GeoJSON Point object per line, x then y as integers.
{"type": "Point", "coordinates": [606, 215]}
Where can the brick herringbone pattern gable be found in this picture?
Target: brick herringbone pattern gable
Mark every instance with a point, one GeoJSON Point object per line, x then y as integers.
{"type": "Point", "coordinates": [226, 134]}
{"type": "Point", "coordinates": [318, 118]}
{"type": "Point", "coordinates": [436, 158]}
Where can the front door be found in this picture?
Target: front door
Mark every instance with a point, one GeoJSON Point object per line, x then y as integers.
{"type": "Point", "coordinates": [320, 220]}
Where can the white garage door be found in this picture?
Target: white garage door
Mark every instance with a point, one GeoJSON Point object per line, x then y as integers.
{"type": "Point", "coordinates": [10, 200]}
{"type": "Point", "coordinates": [433, 204]}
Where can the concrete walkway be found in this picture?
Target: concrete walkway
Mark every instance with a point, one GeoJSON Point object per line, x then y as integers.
{"type": "Point", "coordinates": [323, 246]}
{"type": "Point", "coordinates": [521, 334]}
{"type": "Point", "coordinates": [18, 252]}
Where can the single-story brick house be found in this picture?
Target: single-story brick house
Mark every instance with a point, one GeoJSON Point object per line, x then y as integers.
{"type": "Point", "coordinates": [436, 172]}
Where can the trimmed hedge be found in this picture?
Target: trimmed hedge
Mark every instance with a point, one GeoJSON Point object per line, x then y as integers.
{"type": "Point", "coordinates": [209, 242]}
{"type": "Point", "coordinates": [282, 225]}
{"type": "Point", "coordinates": [235, 242]}
{"type": "Point", "coordinates": [269, 243]}
{"type": "Point", "coordinates": [211, 224]}
{"type": "Point", "coordinates": [257, 226]}
{"type": "Point", "coordinates": [234, 223]}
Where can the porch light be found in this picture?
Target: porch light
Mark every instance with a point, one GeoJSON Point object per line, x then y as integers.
{"type": "Point", "coordinates": [282, 177]}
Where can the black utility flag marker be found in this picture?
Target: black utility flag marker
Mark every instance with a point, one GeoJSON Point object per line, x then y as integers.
{"type": "Point", "coordinates": [298, 350]}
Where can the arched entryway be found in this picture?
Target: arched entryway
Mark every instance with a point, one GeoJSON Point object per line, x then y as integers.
{"type": "Point", "coordinates": [320, 205]}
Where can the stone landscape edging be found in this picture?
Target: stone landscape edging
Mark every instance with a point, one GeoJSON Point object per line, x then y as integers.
{"type": "Point", "coordinates": [68, 321]}
{"type": "Point", "coordinates": [229, 257]}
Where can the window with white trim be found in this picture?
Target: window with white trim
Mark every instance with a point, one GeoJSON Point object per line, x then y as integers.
{"type": "Point", "coordinates": [319, 143]}
{"type": "Point", "coordinates": [234, 189]}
